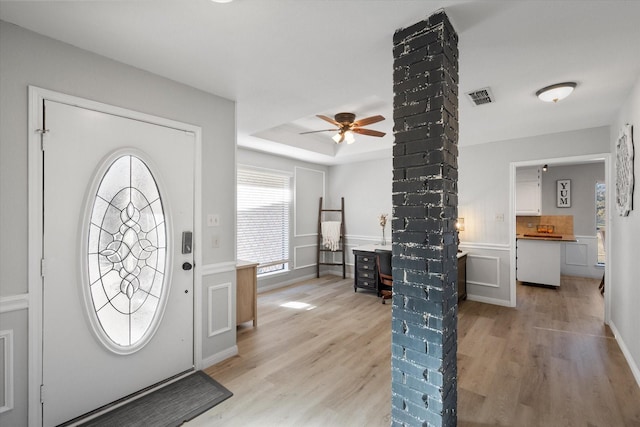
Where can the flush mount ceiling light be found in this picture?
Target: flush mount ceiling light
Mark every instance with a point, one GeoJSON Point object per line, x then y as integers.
{"type": "Point", "coordinates": [556, 92]}
{"type": "Point", "coordinates": [222, 1]}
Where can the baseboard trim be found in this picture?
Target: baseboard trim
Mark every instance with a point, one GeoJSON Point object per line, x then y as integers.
{"type": "Point", "coordinates": [219, 357]}
{"type": "Point", "coordinates": [627, 354]}
{"type": "Point", "coordinates": [487, 300]}
{"type": "Point", "coordinates": [279, 285]}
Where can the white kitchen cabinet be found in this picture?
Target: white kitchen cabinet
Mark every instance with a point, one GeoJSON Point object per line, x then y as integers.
{"type": "Point", "coordinates": [528, 191]}
{"type": "Point", "coordinates": [538, 261]}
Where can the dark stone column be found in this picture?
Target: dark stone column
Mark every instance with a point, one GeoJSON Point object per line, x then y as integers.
{"type": "Point", "coordinates": [425, 200]}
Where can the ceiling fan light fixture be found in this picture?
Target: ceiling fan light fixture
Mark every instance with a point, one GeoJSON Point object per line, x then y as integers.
{"type": "Point", "coordinates": [348, 127]}
{"type": "Point", "coordinates": [556, 92]}
{"type": "Point", "coordinates": [348, 136]}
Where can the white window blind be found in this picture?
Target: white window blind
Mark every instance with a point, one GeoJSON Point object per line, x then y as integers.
{"type": "Point", "coordinates": [263, 219]}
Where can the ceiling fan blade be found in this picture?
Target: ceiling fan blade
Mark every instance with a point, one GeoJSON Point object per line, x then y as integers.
{"type": "Point", "coordinates": [369, 132]}
{"type": "Point", "coordinates": [368, 120]}
{"type": "Point", "coordinates": [316, 131]}
{"type": "Point", "coordinates": [328, 119]}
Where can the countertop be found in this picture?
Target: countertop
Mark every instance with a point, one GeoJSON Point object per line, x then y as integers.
{"type": "Point", "coordinates": [387, 247]}
{"type": "Point", "coordinates": [372, 248]}
{"type": "Point", "coordinates": [547, 237]}
{"type": "Point", "coordinates": [245, 264]}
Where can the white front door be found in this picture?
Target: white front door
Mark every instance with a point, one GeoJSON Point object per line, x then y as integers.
{"type": "Point", "coordinates": [117, 287]}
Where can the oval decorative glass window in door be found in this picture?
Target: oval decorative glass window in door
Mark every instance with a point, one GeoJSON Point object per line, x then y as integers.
{"type": "Point", "coordinates": [126, 255]}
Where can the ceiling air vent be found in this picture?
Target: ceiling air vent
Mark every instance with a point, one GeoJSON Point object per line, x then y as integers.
{"type": "Point", "coordinates": [481, 96]}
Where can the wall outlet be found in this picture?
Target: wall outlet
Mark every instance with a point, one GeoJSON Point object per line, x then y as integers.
{"type": "Point", "coordinates": [213, 220]}
{"type": "Point", "coordinates": [215, 241]}
{"type": "Point", "coordinates": [500, 217]}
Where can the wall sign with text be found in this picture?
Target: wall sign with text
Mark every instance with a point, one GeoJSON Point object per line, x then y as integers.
{"type": "Point", "coordinates": [563, 193]}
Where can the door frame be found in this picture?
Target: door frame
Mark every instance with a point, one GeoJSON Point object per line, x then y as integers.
{"type": "Point", "coordinates": [35, 194]}
{"type": "Point", "coordinates": [609, 181]}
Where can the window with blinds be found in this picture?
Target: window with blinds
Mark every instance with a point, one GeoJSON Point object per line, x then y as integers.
{"type": "Point", "coordinates": [263, 219]}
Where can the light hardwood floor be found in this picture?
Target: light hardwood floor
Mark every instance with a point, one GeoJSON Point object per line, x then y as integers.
{"type": "Point", "coordinates": [548, 362]}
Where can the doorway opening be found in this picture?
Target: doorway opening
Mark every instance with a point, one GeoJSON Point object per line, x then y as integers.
{"type": "Point", "coordinates": [580, 258]}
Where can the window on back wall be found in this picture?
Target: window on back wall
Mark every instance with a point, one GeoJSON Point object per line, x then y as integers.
{"type": "Point", "coordinates": [263, 219]}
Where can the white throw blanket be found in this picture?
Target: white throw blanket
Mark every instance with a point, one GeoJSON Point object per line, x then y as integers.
{"type": "Point", "coordinates": [331, 234]}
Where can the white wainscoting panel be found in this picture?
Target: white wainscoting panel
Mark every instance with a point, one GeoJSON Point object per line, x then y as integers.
{"type": "Point", "coordinates": [580, 258]}
{"type": "Point", "coordinates": [219, 321]}
{"type": "Point", "coordinates": [6, 373]}
{"type": "Point", "coordinates": [304, 256]}
{"type": "Point", "coordinates": [217, 268]}
{"type": "Point", "coordinates": [576, 253]}
{"type": "Point", "coordinates": [485, 270]}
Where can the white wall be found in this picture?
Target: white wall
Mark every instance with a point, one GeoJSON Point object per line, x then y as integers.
{"type": "Point", "coordinates": [583, 194]}
{"type": "Point", "coordinates": [366, 188]}
{"type": "Point", "coordinates": [623, 258]}
{"type": "Point", "coordinates": [483, 194]}
{"type": "Point", "coordinates": [578, 258]}
{"type": "Point", "coordinates": [27, 58]}
{"type": "Point", "coordinates": [309, 184]}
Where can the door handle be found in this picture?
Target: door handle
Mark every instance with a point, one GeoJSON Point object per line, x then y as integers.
{"type": "Point", "coordinates": [186, 266]}
{"type": "Point", "coordinates": [187, 242]}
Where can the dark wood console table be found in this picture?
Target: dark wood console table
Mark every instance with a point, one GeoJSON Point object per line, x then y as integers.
{"type": "Point", "coordinates": [365, 271]}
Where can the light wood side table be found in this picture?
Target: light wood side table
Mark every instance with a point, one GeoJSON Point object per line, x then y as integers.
{"type": "Point", "coordinates": [246, 292]}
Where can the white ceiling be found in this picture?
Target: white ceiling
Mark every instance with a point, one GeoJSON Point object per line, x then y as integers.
{"type": "Point", "coordinates": [284, 61]}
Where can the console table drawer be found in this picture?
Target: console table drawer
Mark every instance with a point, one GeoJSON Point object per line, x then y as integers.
{"type": "Point", "coordinates": [366, 274]}
{"type": "Point", "coordinates": [365, 268]}
{"type": "Point", "coordinates": [364, 259]}
{"type": "Point", "coordinates": [367, 283]}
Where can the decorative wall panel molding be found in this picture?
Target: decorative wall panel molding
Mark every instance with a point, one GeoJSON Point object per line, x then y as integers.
{"type": "Point", "coordinates": [14, 303]}
{"type": "Point", "coordinates": [219, 321]}
{"type": "Point", "coordinates": [375, 239]}
{"type": "Point", "coordinates": [306, 257]}
{"type": "Point", "coordinates": [483, 270]}
{"type": "Point", "coordinates": [485, 246]}
{"type": "Point", "coordinates": [6, 375]}
{"type": "Point", "coordinates": [576, 253]}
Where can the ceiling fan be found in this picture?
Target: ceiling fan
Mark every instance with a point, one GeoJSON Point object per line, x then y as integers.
{"type": "Point", "coordinates": [348, 125]}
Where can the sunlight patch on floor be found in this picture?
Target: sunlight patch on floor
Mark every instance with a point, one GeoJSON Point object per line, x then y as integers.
{"type": "Point", "coordinates": [298, 305]}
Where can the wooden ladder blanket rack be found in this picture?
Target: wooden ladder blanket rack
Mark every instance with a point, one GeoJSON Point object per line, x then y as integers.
{"type": "Point", "coordinates": [321, 248]}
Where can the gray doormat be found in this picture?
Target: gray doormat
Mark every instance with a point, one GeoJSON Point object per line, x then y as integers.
{"type": "Point", "coordinates": [170, 405]}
